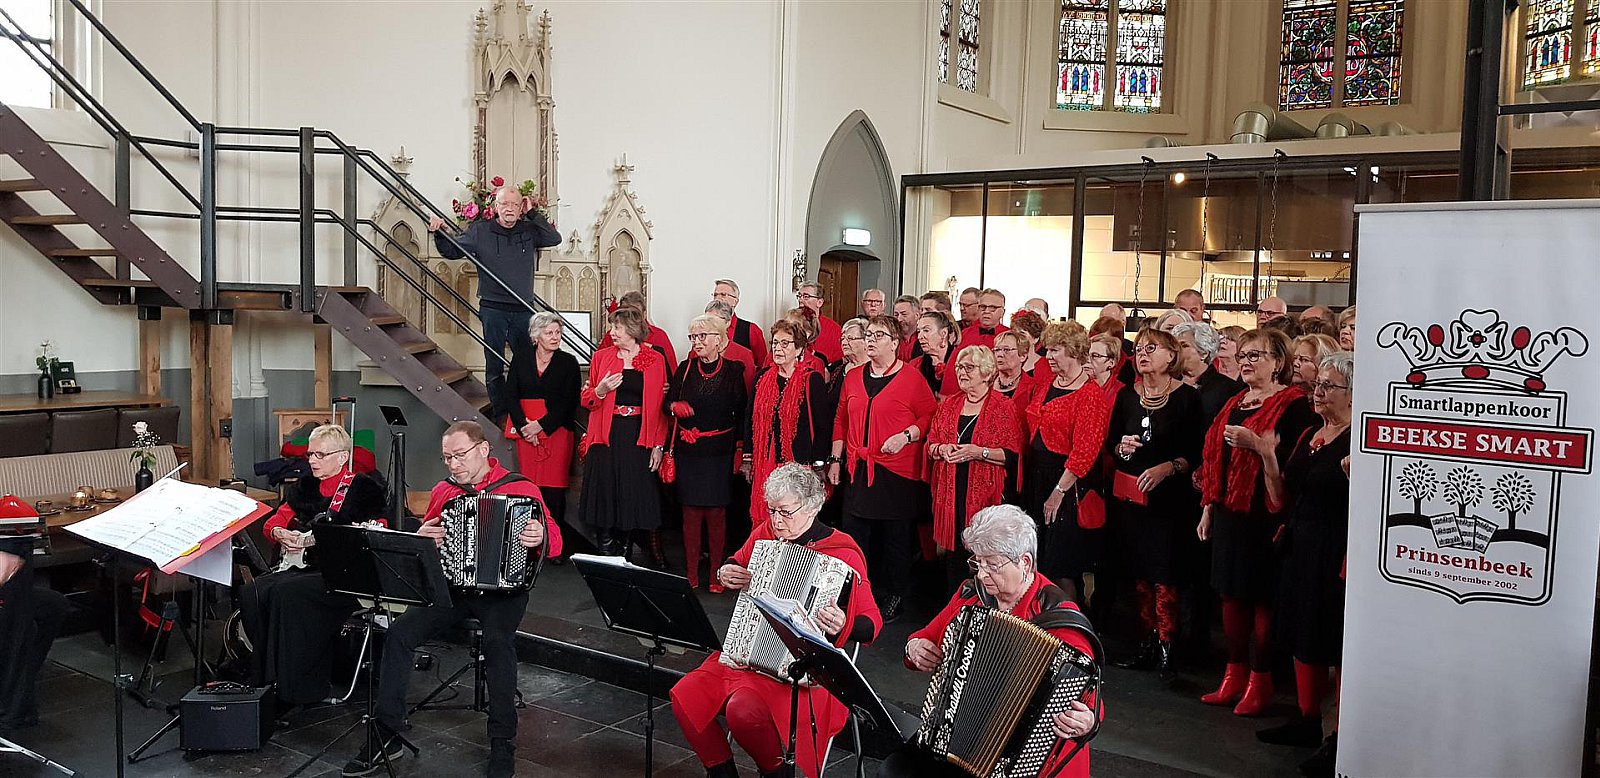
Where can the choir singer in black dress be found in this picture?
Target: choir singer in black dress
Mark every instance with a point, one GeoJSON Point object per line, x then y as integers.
{"type": "Point", "coordinates": [707, 401]}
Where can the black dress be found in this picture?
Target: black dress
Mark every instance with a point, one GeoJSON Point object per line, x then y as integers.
{"type": "Point", "coordinates": [619, 491]}
{"type": "Point", "coordinates": [705, 466]}
{"type": "Point", "coordinates": [813, 436]}
{"type": "Point", "coordinates": [1242, 563]}
{"type": "Point", "coordinates": [1066, 550]}
{"type": "Point", "coordinates": [1311, 606]}
{"type": "Point", "coordinates": [1148, 536]}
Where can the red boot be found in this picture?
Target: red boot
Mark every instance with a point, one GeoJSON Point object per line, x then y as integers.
{"type": "Point", "coordinates": [1232, 688]}
{"type": "Point", "coordinates": [1257, 698]}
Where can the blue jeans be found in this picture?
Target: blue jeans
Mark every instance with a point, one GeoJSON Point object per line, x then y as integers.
{"type": "Point", "coordinates": [501, 328]}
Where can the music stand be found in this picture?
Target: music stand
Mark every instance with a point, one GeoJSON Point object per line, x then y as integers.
{"type": "Point", "coordinates": [829, 668]}
{"type": "Point", "coordinates": [389, 568]}
{"type": "Point", "coordinates": [657, 608]}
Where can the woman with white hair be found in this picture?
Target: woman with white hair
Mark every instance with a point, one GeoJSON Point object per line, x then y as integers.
{"type": "Point", "coordinates": [1005, 545]}
{"type": "Point", "coordinates": [756, 706]}
{"type": "Point", "coordinates": [1169, 319]}
{"type": "Point", "coordinates": [1198, 346]}
{"type": "Point", "coordinates": [707, 399]}
{"type": "Point", "coordinates": [542, 397]}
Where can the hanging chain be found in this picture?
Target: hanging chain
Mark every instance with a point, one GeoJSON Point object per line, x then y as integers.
{"type": "Point", "coordinates": [1272, 231]}
{"type": "Point", "coordinates": [1205, 224]}
{"type": "Point", "coordinates": [1138, 241]}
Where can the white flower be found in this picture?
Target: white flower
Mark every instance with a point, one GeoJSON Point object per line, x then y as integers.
{"type": "Point", "coordinates": [140, 428]}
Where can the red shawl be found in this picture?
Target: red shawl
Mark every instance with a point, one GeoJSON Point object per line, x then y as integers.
{"type": "Point", "coordinates": [653, 429]}
{"type": "Point", "coordinates": [998, 427]}
{"type": "Point", "coordinates": [1074, 424]}
{"type": "Point", "coordinates": [1244, 468]}
{"type": "Point", "coordinates": [703, 692]}
{"type": "Point", "coordinates": [973, 335]}
{"type": "Point", "coordinates": [905, 401]}
{"type": "Point", "coordinates": [790, 404]}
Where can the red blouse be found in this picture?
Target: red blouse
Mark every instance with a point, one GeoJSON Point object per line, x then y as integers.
{"type": "Point", "coordinates": [905, 401]}
{"type": "Point", "coordinates": [1074, 424]}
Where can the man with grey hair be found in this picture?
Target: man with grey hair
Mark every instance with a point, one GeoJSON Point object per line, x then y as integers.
{"type": "Point", "coordinates": [733, 350]}
{"type": "Point", "coordinates": [1040, 306]}
{"type": "Point", "coordinates": [1191, 302]}
{"type": "Point", "coordinates": [811, 297]}
{"type": "Point", "coordinates": [872, 302]}
{"type": "Point", "coordinates": [740, 331]}
{"type": "Point", "coordinates": [1198, 344]}
{"type": "Point", "coordinates": [905, 314]}
{"type": "Point", "coordinates": [504, 247]}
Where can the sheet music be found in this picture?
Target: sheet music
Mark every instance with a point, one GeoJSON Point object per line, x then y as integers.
{"type": "Point", "coordinates": [167, 521]}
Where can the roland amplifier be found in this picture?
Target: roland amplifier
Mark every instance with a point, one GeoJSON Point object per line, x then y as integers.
{"type": "Point", "coordinates": [225, 717]}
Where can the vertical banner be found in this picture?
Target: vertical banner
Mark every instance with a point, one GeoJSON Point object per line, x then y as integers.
{"type": "Point", "coordinates": [1474, 506]}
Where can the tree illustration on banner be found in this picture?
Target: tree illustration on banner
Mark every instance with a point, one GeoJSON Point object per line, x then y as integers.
{"type": "Point", "coordinates": [1418, 483]}
{"type": "Point", "coordinates": [1512, 494]}
{"type": "Point", "coordinates": [1463, 488]}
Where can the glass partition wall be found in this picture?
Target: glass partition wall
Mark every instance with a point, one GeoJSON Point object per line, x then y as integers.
{"type": "Point", "coordinates": [1238, 231]}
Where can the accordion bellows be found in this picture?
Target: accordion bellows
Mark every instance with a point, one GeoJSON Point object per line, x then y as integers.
{"type": "Point", "coordinates": [991, 700]}
{"type": "Point", "coordinates": [481, 549]}
{"type": "Point", "coordinates": [788, 571]}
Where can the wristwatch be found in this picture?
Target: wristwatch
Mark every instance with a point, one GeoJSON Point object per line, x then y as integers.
{"type": "Point", "coordinates": [909, 439]}
{"type": "Point", "coordinates": [984, 454]}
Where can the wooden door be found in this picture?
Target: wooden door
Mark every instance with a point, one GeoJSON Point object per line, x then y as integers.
{"type": "Point", "coordinates": [837, 275]}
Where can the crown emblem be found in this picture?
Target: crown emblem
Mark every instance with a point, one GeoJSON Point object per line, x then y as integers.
{"type": "Point", "coordinates": [1479, 348]}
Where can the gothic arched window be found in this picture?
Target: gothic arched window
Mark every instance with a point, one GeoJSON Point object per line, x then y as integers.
{"type": "Point", "coordinates": [1110, 55]}
{"type": "Point", "coordinates": [960, 25]}
{"type": "Point", "coordinates": [1340, 53]}
{"type": "Point", "coordinates": [1560, 41]}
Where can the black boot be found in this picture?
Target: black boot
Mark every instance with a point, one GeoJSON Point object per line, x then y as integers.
{"type": "Point", "coordinates": [658, 555]}
{"type": "Point", "coordinates": [892, 607]}
{"type": "Point", "coordinates": [1145, 658]}
{"type": "Point", "coordinates": [1164, 660]}
{"type": "Point", "coordinates": [725, 770]}
{"type": "Point", "coordinates": [502, 759]}
{"type": "Point", "coordinates": [1320, 763]}
{"type": "Point", "coordinates": [1298, 731]}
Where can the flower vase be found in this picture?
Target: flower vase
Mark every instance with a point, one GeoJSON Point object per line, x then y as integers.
{"type": "Point", "coordinates": [143, 478]}
{"type": "Point", "coordinates": [47, 387]}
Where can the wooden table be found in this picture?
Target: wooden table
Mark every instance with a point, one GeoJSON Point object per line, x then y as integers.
{"type": "Point", "coordinates": [28, 403]}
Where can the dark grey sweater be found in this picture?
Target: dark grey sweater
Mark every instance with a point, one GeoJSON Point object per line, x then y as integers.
{"type": "Point", "coordinates": [511, 254]}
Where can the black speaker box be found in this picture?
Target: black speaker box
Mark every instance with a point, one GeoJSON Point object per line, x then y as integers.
{"type": "Point", "coordinates": [230, 721]}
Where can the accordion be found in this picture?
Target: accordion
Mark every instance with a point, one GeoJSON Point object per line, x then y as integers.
{"type": "Point", "coordinates": [787, 571]}
{"type": "Point", "coordinates": [480, 549]}
{"type": "Point", "coordinates": [991, 700]}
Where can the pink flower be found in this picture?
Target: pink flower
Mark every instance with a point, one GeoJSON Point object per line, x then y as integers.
{"type": "Point", "coordinates": [488, 213]}
{"type": "Point", "coordinates": [470, 210]}
{"type": "Point", "coordinates": [497, 181]}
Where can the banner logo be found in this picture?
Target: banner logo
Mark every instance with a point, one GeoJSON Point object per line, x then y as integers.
{"type": "Point", "coordinates": [1473, 418]}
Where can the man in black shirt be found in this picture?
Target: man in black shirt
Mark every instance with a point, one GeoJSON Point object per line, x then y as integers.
{"type": "Point", "coordinates": [504, 248]}
{"type": "Point", "coordinates": [29, 621]}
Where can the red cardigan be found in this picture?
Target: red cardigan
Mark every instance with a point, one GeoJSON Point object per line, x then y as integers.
{"type": "Point", "coordinates": [905, 401]}
{"type": "Point", "coordinates": [828, 334]}
{"type": "Point", "coordinates": [658, 337]}
{"type": "Point", "coordinates": [1073, 424]}
{"type": "Point", "coordinates": [445, 491]}
{"type": "Point", "coordinates": [653, 429]}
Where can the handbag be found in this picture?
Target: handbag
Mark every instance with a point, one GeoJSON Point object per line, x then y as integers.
{"type": "Point", "coordinates": [1091, 510]}
{"type": "Point", "coordinates": [669, 463]}
{"type": "Point", "coordinates": [1125, 487]}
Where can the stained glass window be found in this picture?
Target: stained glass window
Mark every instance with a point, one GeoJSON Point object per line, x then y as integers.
{"type": "Point", "coordinates": [1372, 52]}
{"type": "Point", "coordinates": [1305, 70]}
{"type": "Point", "coordinates": [1081, 63]}
{"type": "Point", "coordinates": [967, 47]}
{"type": "Point", "coordinates": [1141, 44]}
{"type": "Point", "coordinates": [1591, 48]}
{"type": "Point", "coordinates": [1549, 43]}
{"type": "Point", "coordinates": [944, 41]}
{"type": "Point", "coordinates": [1110, 55]}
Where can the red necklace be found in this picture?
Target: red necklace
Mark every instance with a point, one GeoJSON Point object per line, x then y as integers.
{"type": "Point", "coordinates": [699, 367]}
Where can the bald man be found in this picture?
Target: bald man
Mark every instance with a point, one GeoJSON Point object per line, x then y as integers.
{"type": "Point", "coordinates": [1191, 302]}
{"type": "Point", "coordinates": [1038, 305]}
{"type": "Point", "coordinates": [1269, 309]}
{"type": "Point", "coordinates": [1317, 312]}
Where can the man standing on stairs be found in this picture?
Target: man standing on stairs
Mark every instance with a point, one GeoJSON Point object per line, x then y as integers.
{"type": "Point", "coordinates": [505, 247]}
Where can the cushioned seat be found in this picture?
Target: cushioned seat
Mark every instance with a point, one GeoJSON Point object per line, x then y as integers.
{"type": "Point", "coordinates": [83, 430]}
{"type": "Point", "coordinates": [24, 434]}
{"type": "Point", "coordinates": [163, 422]}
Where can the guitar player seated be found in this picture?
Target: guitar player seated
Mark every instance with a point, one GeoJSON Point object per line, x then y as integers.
{"type": "Point", "coordinates": [291, 620]}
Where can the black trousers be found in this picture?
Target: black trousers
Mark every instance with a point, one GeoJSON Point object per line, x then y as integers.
{"type": "Point", "coordinates": [890, 546]}
{"type": "Point", "coordinates": [498, 612]}
{"type": "Point", "coordinates": [293, 625]}
{"type": "Point", "coordinates": [914, 762]}
{"type": "Point", "coordinates": [30, 619]}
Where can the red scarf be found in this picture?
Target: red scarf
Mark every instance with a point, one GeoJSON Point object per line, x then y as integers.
{"type": "Point", "coordinates": [998, 427]}
{"type": "Point", "coordinates": [1244, 467]}
{"type": "Point", "coordinates": [788, 403]}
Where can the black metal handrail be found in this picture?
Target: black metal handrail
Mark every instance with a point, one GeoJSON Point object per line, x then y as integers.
{"type": "Point", "coordinates": [308, 215]}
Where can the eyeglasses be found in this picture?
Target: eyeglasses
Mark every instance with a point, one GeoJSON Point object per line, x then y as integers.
{"type": "Point", "coordinates": [725, 296]}
{"type": "Point", "coordinates": [1325, 386]}
{"type": "Point", "coordinates": [991, 568]}
{"type": "Point", "coordinates": [461, 455]}
{"type": "Point", "coordinates": [1265, 312]}
{"type": "Point", "coordinates": [963, 367]}
{"type": "Point", "coordinates": [1253, 356]}
{"type": "Point", "coordinates": [878, 335]}
{"type": "Point", "coordinates": [1148, 348]}
{"type": "Point", "coordinates": [696, 337]}
{"type": "Point", "coordinates": [852, 338]}
{"type": "Point", "coordinates": [1097, 355]}
{"type": "Point", "coordinates": [786, 513]}
{"type": "Point", "coordinates": [806, 296]}
{"type": "Point", "coordinates": [318, 456]}
{"type": "Point", "coordinates": [991, 308]}
{"type": "Point", "coordinates": [870, 301]}
{"type": "Point", "coordinates": [782, 343]}
{"type": "Point", "coordinates": [1006, 350]}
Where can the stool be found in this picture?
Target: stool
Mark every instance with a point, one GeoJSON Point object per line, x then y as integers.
{"type": "Point", "coordinates": [476, 665]}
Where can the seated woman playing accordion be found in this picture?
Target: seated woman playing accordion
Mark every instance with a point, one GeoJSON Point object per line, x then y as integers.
{"type": "Point", "coordinates": [1004, 544]}
{"type": "Point", "coordinates": [755, 703]}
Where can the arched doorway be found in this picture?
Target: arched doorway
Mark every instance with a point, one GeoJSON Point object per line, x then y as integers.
{"type": "Point", "coordinates": [854, 188]}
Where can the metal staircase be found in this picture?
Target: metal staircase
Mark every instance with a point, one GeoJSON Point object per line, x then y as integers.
{"type": "Point", "coordinates": [127, 267]}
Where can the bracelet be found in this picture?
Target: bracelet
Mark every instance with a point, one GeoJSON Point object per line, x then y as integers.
{"type": "Point", "coordinates": [909, 439]}
{"type": "Point", "coordinates": [1058, 488]}
{"type": "Point", "coordinates": [834, 460]}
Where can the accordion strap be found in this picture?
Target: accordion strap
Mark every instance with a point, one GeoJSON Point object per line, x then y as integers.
{"type": "Point", "coordinates": [508, 478]}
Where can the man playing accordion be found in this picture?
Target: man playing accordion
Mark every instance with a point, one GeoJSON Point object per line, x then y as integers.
{"type": "Point", "coordinates": [1004, 546]}
{"type": "Point", "coordinates": [472, 471]}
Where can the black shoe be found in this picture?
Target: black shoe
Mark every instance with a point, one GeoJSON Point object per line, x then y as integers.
{"type": "Point", "coordinates": [892, 608]}
{"type": "Point", "coordinates": [1298, 731]}
{"type": "Point", "coordinates": [1144, 659]}
{"type": "Point", "coordinates": [502, 758]}
{"type": "Point", "coordinates": [1164, 669]}
{"type": "Point", "coordinates": [1320, 763]}
{"type": "Point", "coordinates": [373, 756]}
{"type": "Point", "coordinates": [725, 770]}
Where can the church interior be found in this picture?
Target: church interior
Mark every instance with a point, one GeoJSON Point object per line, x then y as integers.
{"type": "Point", "coordinates": [245, 194]}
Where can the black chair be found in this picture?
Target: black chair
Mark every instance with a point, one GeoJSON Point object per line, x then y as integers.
{"type": "Point", "coordinates": [163, 422]}
{"type": "Point", "coordinates": [83, 430]}
{"type": "Point", "coordinates": [24, 434]}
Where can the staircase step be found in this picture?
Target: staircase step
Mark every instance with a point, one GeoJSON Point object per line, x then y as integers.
{"type": "Point", "coordinates": [387, 319]}
{"type": "Point", "coordinates": [108, 252]}
{"type": "Point", "coordinates": [453, 375]}
{"type": "Point", "coordinates": [421, 347]}
{"type": "Point", "coordinates": [22, 185]}
{"type": "Point", "coordinates": [118, 283]}
{"type": "Point", "coordinates": [49, 219]}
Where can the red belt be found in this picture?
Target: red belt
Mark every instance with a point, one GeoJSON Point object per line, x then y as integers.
{"type": "Point", "coordinates": [690, 434]}
{"type": "Point", "coordinates": [627, 410]}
